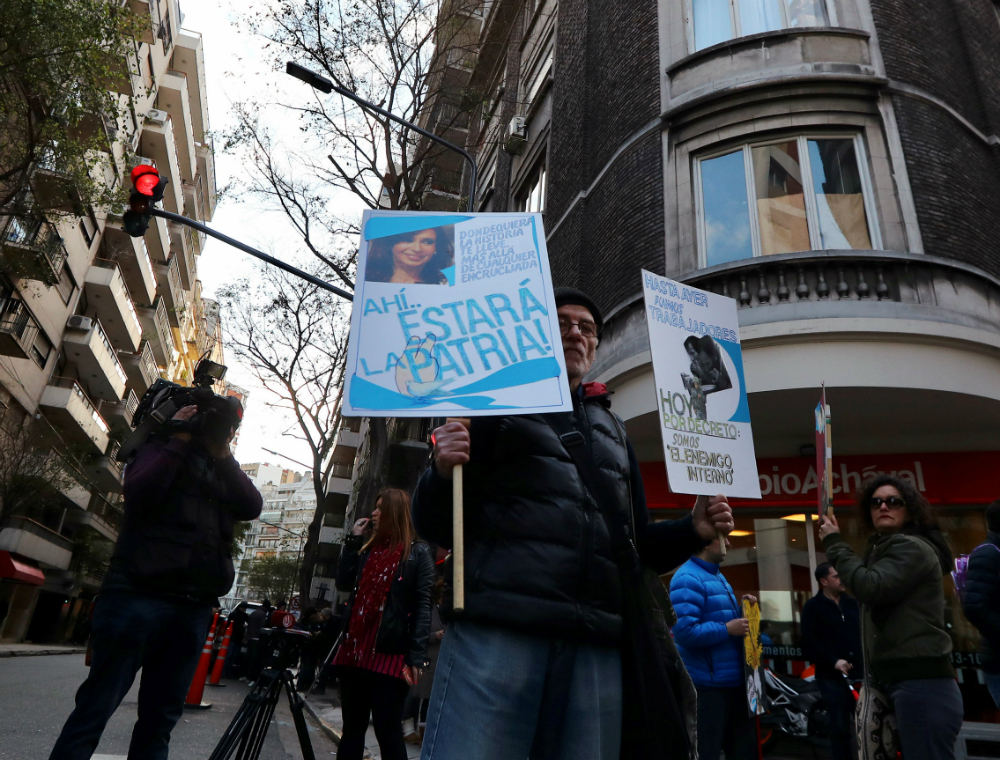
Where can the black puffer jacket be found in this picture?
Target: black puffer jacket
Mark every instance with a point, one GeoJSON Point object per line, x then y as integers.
{"type": "Point", "coordinates": [538, 554]}
{"type": "Point", "coordinates": [982, 599]}
{"type": "Point", "coordinates": [406, 617]}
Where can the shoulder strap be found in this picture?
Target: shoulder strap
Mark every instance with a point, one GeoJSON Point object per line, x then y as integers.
{"type": "Point", "coordinates": [578, 448]}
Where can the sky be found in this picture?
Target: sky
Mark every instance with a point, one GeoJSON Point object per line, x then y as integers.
{"type": "Point", "coordinates": [234, 70]}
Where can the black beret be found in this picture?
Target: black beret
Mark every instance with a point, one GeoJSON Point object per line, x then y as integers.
{"type": "Point", "coordinates": [565, 296]}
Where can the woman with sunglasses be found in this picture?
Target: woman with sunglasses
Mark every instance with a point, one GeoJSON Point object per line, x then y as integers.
{"type": "Point", "coordinates": [898, 582]}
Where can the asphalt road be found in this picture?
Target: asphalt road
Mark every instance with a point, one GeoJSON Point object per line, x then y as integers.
{"type": "Point", "coordinates": [36, 696]}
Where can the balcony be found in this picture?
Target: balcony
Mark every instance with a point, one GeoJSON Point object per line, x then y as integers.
{"type": "Point", "coordinates": [100, 515]}
{"type": "Point", "coordinates": [206, 170]}
{"type": "Point", "coordinates": [118, 414]}
{"type": "Point", "coordinates": [140, 368]}
{"type": "Point", "coordinates": [156, 327]}
{"type": "Point", "coordinates": [141, 9]}
{"type": "Point", "coordinates": [157, 142]}
{"type": "Point", "coordinates": [32, 248]}
{"type": "Point", "coordinates": [345, 446]}
{"type": "Point", "coordinates": [173, 98]}
{"type": "Point", "coordinates": [105, 471]}
{"type": "Point", "coordinates": [17, 329]}
{"type": "Point", "coordinates": [158, 240]}
{"type": "Point", "coordinates": [110, 301]}
{"type": "Point", "coordinates": [168, 281]}
{"type": "Point", "coordinates": [71, 410]}
{"type": "Point", "coordinates": [182, 241]}
{"type": "Point", "coordinates": [89, 571]}
{"type": "Point", "coordinates": [30, 539]}
{"type": "Point", "coordinates": [96, 361]}
{"type": "Point", "coordinates": [133, 260]}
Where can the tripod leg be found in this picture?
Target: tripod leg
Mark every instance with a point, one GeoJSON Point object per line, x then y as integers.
{"type": "Point", "coordinates": [296, 704]}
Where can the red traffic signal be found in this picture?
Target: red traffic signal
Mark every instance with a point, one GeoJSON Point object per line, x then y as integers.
{"type": "Point", "coordinates": [149, 187]}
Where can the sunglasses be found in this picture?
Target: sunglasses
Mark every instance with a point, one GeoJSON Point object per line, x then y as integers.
{"type": "Point", "coordinates": [893, 502]}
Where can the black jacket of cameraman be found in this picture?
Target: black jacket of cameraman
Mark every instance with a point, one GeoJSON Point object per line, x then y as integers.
{"type": "Point", "coordinates": [180, 507]}
{"type": "Point", "coordinates": [406, 617]}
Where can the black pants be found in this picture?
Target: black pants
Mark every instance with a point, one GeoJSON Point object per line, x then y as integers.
{"type": "Point", "coordinates": [133, 631]}
{"type": "Point", "coordinates": [724, 723]}
{"type": "Point", "coordinates": [839, 707]}
{"type": "Point", "coordinates": [307, 670]}
{"type": "Point", "coordinates": [364, 693]}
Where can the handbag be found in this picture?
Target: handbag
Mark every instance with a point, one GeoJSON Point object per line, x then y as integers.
{"type": "Point", "coordinates": [877, 732]}
{"type": "Point", "coordinates": [655, 683]}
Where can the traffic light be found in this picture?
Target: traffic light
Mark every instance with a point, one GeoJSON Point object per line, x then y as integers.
{"type": "Point", "coordinates": [148, 187]}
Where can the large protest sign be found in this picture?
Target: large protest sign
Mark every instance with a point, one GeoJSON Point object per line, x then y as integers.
{"type": "Point", "coordinates": [454, 316]}
{"type": "Point", "coordinates": [700, 389]}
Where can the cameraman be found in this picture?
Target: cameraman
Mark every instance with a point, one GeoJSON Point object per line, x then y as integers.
{"type": "Point", "coordinates": [183, 493]}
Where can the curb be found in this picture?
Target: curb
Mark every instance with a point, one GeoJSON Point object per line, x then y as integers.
{"type": "Point", "coordinates": [332, 733]}
{"type": "Point", "coordinates": [40, 652]}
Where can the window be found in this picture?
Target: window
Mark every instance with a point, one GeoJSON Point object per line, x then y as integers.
{"type": "Point", "coordinates": [716, 21]}
{"type": "Point", "coordinates": [809, 193]}
{"type": "Point", "coordinates": [41, 349]}
{"type": "Point", "coordinates": [532, 194]}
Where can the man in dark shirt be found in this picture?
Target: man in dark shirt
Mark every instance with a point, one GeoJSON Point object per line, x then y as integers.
{"type": "Point", "coordinates": [171, 563]}
{"type": "Point", "coordinates": [831, 638]}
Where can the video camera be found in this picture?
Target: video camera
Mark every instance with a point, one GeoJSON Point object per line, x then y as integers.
{"type": "Point", "coordinates": [216, 418]}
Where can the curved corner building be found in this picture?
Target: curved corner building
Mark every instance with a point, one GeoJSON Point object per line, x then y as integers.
{"type": "Point", "coordinates": [834, 166]}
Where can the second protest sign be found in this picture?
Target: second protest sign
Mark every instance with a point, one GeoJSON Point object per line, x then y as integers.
{"type": "Point", "coordinates": [701, 390]}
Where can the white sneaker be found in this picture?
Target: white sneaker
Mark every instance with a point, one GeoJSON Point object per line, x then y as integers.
{"type": "Point", "coordinates": [409, 728]}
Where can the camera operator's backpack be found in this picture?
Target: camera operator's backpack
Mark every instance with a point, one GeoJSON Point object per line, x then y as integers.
{"type": "Point", "coordinates": [960, 574]}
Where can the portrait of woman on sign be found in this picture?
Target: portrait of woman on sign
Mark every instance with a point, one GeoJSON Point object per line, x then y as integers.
{"type": "Point", "coordinates": [412, 257]}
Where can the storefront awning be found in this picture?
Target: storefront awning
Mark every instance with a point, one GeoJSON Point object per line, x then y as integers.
{"type": "Point", "coordinates": [11, 569]}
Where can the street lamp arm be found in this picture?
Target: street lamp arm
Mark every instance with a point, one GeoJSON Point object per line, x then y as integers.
{"type": "Point", "coordinates": [325, 85]}
{"type": "Point", "coordinates": [178, 219]}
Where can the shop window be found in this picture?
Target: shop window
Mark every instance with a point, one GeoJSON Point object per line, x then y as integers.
{"type": "Point", "coordinates": [532, 194]}
{"type": "Point", "coordinates": [717, 21]}
{"type": "Point", "coordinates": [808, 193]}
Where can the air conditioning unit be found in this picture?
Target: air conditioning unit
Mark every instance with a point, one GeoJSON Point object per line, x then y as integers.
{"type": "Point", "coordinates": [76, 322]}
{"type": "Point", "coordinates": [517, 135]}
{"type": "Point", "coordinates": [146, 162]}
{"type": "Point", "coordinates": [156, 116]}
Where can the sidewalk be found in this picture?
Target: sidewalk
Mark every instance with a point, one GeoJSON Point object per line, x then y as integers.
{"type": "Point", "coordinates": [27, 650]}
{"type": "Point", "coordinates": [325, 708]}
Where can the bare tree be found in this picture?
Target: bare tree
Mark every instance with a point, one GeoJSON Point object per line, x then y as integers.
{"type": "Point", "coordinates": [31, 472]}
{"type": "Point", "coordinates": [292, 335]}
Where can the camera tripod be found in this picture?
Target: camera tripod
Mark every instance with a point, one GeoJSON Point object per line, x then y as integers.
{"type": "Point", "coordinates": [244, 738]}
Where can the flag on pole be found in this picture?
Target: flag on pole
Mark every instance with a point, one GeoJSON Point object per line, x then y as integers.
{"type": "Point", "coordinates": [824, 457]}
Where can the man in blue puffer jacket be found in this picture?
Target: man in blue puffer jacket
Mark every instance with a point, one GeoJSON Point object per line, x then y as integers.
{"type": "Point", "coordinates": [709, 635]}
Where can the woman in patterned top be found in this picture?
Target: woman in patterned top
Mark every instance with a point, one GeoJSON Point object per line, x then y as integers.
{"type": "Point", "coordinates": [389, 573]}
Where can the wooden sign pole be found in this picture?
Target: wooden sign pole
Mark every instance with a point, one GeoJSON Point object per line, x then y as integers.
{"type": "Point", "coordinates": [458, 531]}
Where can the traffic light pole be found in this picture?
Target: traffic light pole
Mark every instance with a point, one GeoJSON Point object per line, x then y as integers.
{"type": "Point", "coordinates": [177, 218]}
{"type": "Point", "coordinates": [325, 85]}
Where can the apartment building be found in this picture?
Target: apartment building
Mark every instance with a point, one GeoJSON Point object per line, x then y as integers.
{"type": "Point", "coordinates": [77, 355]}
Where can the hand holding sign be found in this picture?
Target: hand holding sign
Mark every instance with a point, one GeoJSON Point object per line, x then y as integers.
{"type": "Point", "coordinates": [713, 517]}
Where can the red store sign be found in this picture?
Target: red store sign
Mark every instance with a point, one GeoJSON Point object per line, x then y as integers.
{"type": "Point", "coordinates": [953, 478]}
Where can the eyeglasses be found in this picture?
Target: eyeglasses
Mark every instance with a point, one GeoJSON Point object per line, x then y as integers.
{"type": "Point", "coordinates": [587, 329]}
{"type": "Point", "coordinates": [893, 502]}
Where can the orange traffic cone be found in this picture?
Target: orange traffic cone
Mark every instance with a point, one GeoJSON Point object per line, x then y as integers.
{"type": "Point", "coordinates": [221, 659]}
{"type": "Point", "coordinates": [193, 700]}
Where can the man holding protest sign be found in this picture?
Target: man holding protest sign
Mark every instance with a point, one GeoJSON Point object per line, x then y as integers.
{"type": "Point", "coordinates": [534, 664]}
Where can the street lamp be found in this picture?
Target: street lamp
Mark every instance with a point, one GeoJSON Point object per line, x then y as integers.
{"type": "Point", "coordinates": [325, 85]}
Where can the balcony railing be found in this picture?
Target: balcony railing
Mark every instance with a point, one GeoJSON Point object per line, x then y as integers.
{"type": "Point", "coordinates": [106, 512]}
{"type": "Point", "coordinates": [18, 329]}
{"type": "Point", "coordinates": [147, 364]}
{"type": "Point", "coordinates": [69, 382]}
{"type": "Point", "coordinates": [828, 277]}
{"type": "Point", "coordinates": [119, 370]}
{"type": "Point", "coordinates": [129, 301]}
{"type": "Point", "coordinates": [37, 529]}
{"type": "Point", "coordinates": [32, 248]}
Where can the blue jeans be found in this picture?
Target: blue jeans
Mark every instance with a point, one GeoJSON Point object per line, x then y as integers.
{"type": "Point", "coordinates": [929, 714]}
{"type": "Point", "coordinates": [993, 684]}
{"type": "Point", "coordinates": [500, 694]}
{"type": "Point", "coordinates": [133, 631]}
